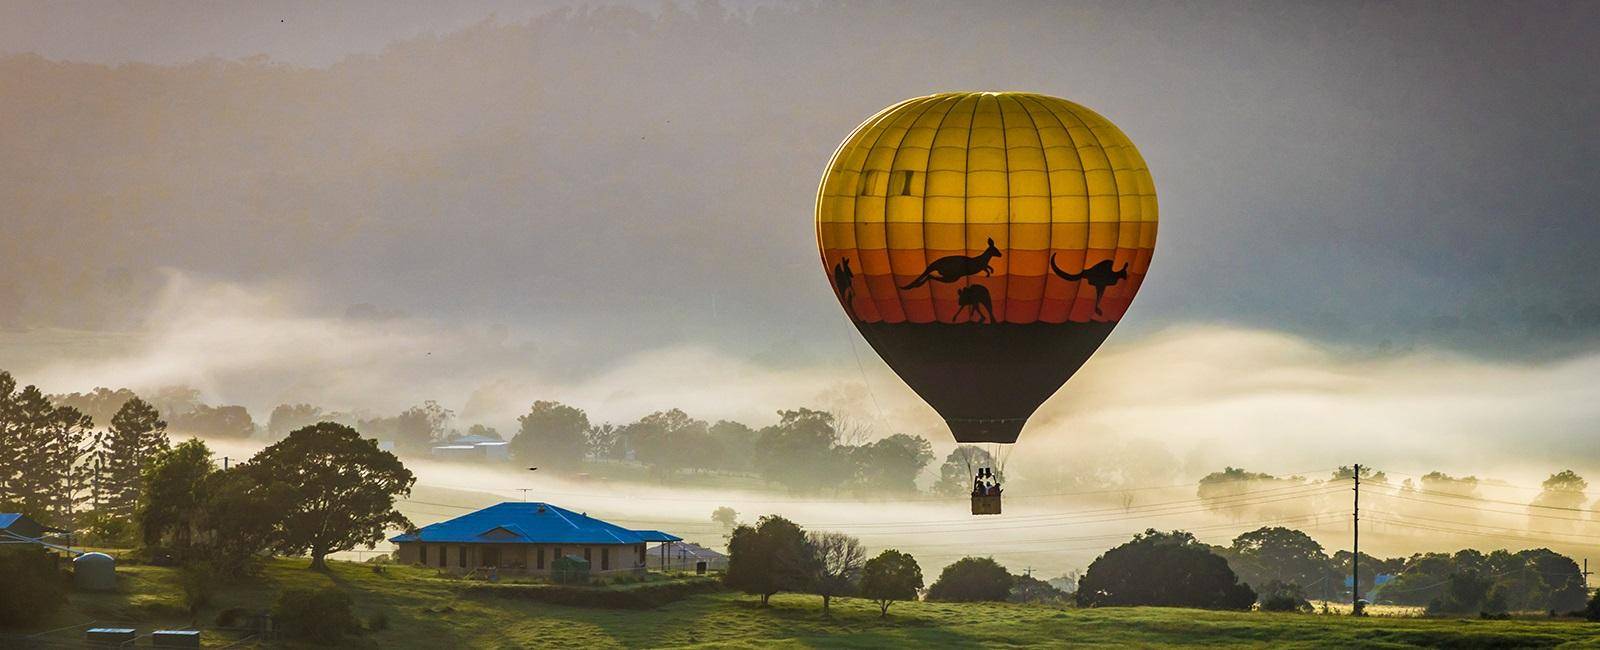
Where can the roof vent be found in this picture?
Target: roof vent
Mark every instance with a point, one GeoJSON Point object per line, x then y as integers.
{"type": "Point", "coordinates": [541, 507]}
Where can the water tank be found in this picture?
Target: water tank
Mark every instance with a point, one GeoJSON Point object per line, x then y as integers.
{"type": "Point", "coordinates": [94, 572]}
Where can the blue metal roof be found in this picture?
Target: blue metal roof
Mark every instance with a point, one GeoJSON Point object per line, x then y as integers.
{"type": "Point", "coordinates": [8, 518]}
{"type": "Point", "coordinates": [517, 522]}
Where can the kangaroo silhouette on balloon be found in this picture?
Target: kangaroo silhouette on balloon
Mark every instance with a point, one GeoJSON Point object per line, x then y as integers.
{"type": "Point", "coordinates": [844, 281]}
{"type": "Point", "coordinates": [976, 298]}
{"type": "Point", "coordinates": [1098, 276]}
{"type": "Point", "coordinates": [954, 267]}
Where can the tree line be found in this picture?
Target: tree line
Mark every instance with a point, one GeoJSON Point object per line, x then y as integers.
{"type": "Point", "coordinates": [777, 555]}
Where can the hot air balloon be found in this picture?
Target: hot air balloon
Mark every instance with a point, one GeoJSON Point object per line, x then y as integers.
{"type": "Point", "coordinates": [985, 244]}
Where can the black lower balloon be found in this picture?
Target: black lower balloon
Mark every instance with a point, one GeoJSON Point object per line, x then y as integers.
{"type": "Point", "coordinates": [985, 380]}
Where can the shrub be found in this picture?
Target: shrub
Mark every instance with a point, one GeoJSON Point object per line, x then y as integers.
{"type": "Point", "coordinates": [34, 588]}
{"type": "Point", "coordinates": [199, 583]}
{"type": "Point", "coordinates": [321, 615]}
{"type": "Point", "coordinates": [1278, 596]}
{"type": "Point", "coordinates": [1592, 612]}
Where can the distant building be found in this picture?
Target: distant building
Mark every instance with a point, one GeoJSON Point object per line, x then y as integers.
{"type": "Point", "coordinates": [474, 448]}
{"type": "Point", "coordinates": [524, 537]}
{"type": "Point", "coordinates": [684, 556]}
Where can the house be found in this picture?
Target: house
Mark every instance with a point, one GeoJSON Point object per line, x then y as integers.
{"type": "Point", "coordinates": [684, 556]}
{"type": "Point", "coordinates": [21, 529]}
{"type": "Point", "coordinates": [526, 537]}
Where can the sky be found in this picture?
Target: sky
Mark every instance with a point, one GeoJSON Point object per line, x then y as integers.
{"type": "Point", "coordinates": [1383, 211]}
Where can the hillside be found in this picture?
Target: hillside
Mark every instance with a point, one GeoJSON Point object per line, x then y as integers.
{"type": "Point", "coordinates": [426, 612]}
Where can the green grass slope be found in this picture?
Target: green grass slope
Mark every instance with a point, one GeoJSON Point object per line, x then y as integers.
{"type": "Point", "coordinates": [424, 611]}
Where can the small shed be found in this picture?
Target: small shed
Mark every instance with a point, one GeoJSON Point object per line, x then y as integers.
{"type": "Point", "coordinates": [94, 572]}
{"type": "Point", "coordinates": [569, 569]}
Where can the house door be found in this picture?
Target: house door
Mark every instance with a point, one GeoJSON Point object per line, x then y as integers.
{"type": "Point", "coordinates": [491, 556]}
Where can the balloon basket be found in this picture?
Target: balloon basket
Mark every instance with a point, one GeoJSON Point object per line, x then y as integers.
{"type": "Point", "coordinates": [986, 505]}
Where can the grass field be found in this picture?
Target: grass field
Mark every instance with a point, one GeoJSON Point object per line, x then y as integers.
{"type": "Point", "coordinates": [424, 611]}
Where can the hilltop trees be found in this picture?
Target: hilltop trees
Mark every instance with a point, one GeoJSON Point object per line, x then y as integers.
{"type": "Point", "coordinates": [1163, 569]}
{"type": "Point", "coordinates": [972, 579]}
{"type": "Point", "coordinates": [552, 434]}
{"type": "Point", "coordinates": [797, 450]}
{"type": "Point", "coordinates": [339, 490]}
{"type": "Point", "coordinates": [955, 475]}
{"type": "Point", "coordinates": [891, 465]}
{"type": "Point", "coordinates": [889, 577]}
{"type": "Point", "coordinates": [668, 440]}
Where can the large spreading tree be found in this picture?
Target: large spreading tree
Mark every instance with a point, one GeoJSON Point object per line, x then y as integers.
{"type": "Point", "coordinates": [1163, 569]}
{"type": "Point", "coordinates": [972, 579]}
{"type": "Point", "coordinates": [339, 489]}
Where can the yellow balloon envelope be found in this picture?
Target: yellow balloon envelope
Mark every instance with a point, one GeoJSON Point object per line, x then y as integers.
{"type": "Point", "coordinates": [985, 244]}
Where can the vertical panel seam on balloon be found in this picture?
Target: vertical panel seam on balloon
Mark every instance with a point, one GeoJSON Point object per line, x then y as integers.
{"type": "Point", "coordinates": [1005, 155]}
{"type": "Point", "coordinates": [1115, 186]}
{"type": "Point", "coordinates": [955, 101]}
{"type": "Point", "coordinates": [1049, 230]}
{"type": "Point", "coordinates": [898, 293]}
{"type": "Point", "coordinates": [855, 219]}
{"type": "Point", "coordinates": [1073, 145]}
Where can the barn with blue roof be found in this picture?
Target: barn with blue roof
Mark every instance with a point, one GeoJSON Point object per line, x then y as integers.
{"type": "Point", "coordinates": [526, 537]}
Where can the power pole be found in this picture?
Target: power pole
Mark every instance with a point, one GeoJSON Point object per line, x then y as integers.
{"type": "Point", "coordinates": [224, 463]}
{"type": "Point", "coordinates": [524, 492]}
{"type": "Point", "coordinates": [1355, 545]}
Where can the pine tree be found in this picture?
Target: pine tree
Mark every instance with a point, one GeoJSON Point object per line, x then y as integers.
{"type": "Point", "coordinates": [10, 442]}
{"type": "Point", "coordinates": [34, 482]}
{"type": "Point", "coordinates": [67, 442]}
{"type": "Point", "coordinates": [135, 436]}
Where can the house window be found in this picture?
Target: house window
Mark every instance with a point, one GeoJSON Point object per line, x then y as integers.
{"type": "Point", "coordinates": [588, 555]}
{"type": "Point", "coordinates": [444, 556]}
{"type": "Point", "coordinates": [641, 554]}
{"type": "Point", "coordinates": [461, 556]}
{"type": "Point", "coordinates": [539, 552]}
{"type": "Point", "coordinates": [422, 550]}
{"type": "Point", "coordinates": [556, 555]}
{"type": "Point", "coordinates": [605, 559]}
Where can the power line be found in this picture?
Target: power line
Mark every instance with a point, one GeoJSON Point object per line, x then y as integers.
{"type": "Point", "coordinates": [1488, 500]}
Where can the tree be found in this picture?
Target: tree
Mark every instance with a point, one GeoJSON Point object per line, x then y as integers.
{"type": "Point", "coordinates": [240, 518]}
{"type": "Point", "coordinates": [737, 443]}
{"type": "Point", "coordinates": [972, 579]}
{"type": "Point", "coordinates": [955, 475]}
{"type": "Point", "coordinates": [1592, 611]}
{"type": "Point", "coordinates": [1282, 554]}
{"type": "Point", "coordinates": [767, 558]}
{"type": "Point", "coordinates": [286, 418]}
{"type": "Point", "coordinates": [552, 434]}
{"type": "Point", "coordinates": [33, 477]}
{"type": "Point", "coordinates": [728, 517]}
{"type": "Point", "coordinates": [1028, 589]}
{"type": "Point", "coordinates": [340, 490]}
{"type": "Point", "coordinates": [415, 430]}
{"type": "Point", "coordinates": [835, 565]}
{"type": "Point", "coordinates": [171, 503]}
{"type": "Point", "coordinates": [798, 451]}
{"type": "Point", "coordinates": [889, 577]}
{"type": "Point", "coordinates": [1218, 490]}
{"type": "Point", "coordinates": [601, 441]}
{"type": "Point", "coordinates": [668, 440]}
{"type": "Point", "coordinates": [100, 404]}
{"type": "Point", "coordinates": [1563, 490]}
{"type": "Point", "coordinates": [891, 465]}
{"type": "Point", "coordinates": [135, 436]}
{"type": "Point", "coordinates": [215, 422]}
{"type": "Point", "coordinates": [1163, 569]}
{"type": "Point", "coordinates": [1465, 592]}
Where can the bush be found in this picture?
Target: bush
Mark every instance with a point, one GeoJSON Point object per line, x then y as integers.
{"type": "Point", "coordinates": [1278, 596]}
{"type": "Point", "coordinates": [34, 588]}
{"type": "Point", "coordinates": [199, 583]}
{"type": "Point", "coordinates": [320, 615]}
{"type": "Point", "coordinates": [233, 617]}
{"type": "Point", "coordinates": [1592, 612]}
